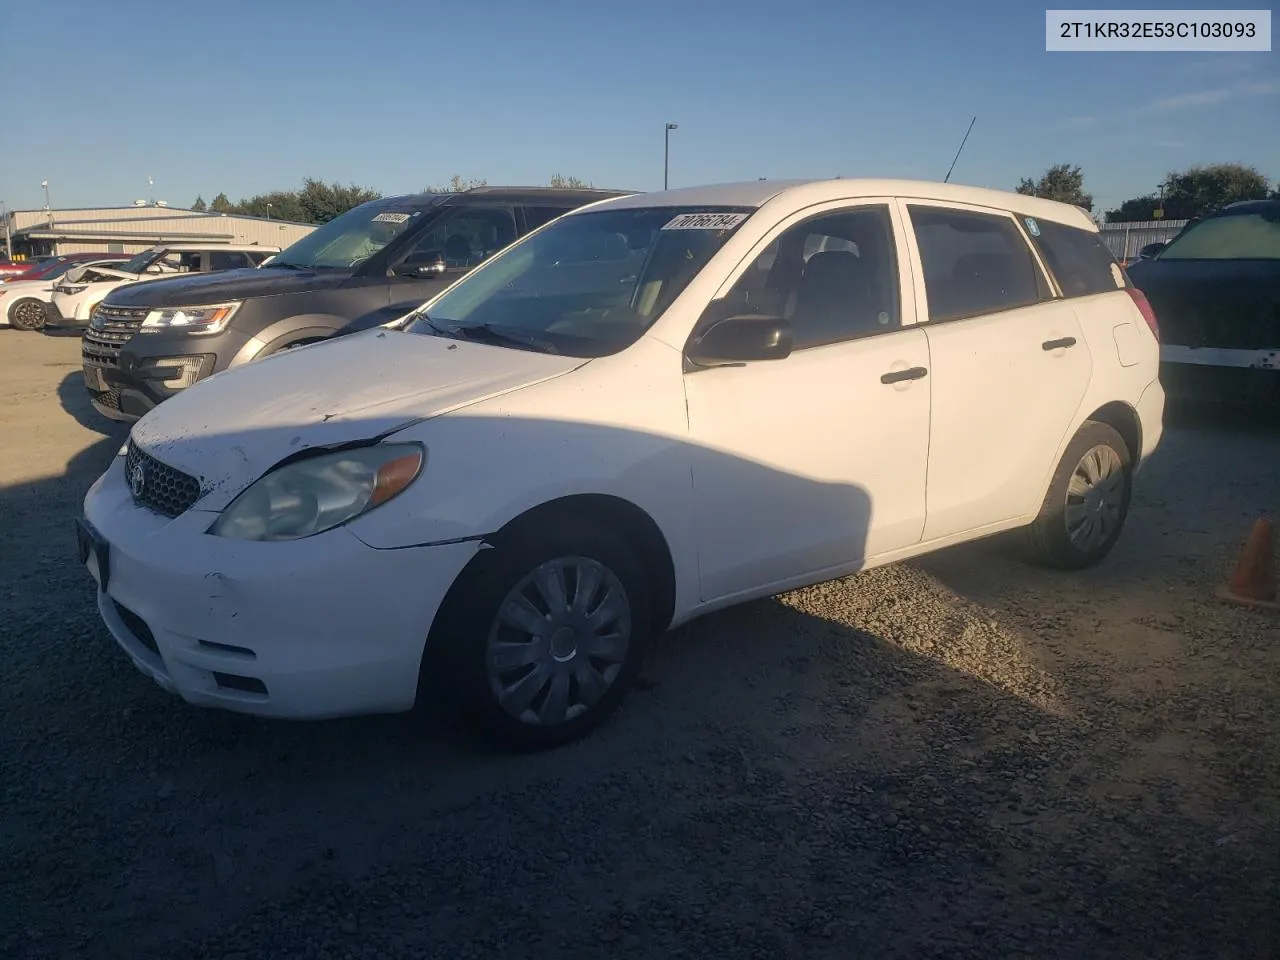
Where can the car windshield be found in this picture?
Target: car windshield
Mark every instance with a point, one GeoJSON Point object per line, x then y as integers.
{"type": "Point", "coordinates": [138, 263]}
{"type": "Point", "coordinates": [588, 285]}
{"type": "Point", "coordinates": [1252, 236]}
{"type": "Point", "coordinates": [356, 235]}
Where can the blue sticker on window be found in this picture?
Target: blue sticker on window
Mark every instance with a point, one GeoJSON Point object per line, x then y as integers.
{"type": "Point", "coordinates": [1032, 226]}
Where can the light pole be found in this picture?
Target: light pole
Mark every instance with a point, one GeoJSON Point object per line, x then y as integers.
{"type": "Point", "coordinates": [666, 151]}
{"type": "Point", "coordinates": [268, 211]}
{"type": "Point", "coordinates": [47, 209]}
{"type": "Point", "coordinates": [8, 237]}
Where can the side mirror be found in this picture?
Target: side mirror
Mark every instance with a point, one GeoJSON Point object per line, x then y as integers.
{"type": "Point", "coordinates": [745, 338]}
{"type": "Point", "coordinates": [422, 266]}
{"type": "Point", "coordinates": [1151, 249]}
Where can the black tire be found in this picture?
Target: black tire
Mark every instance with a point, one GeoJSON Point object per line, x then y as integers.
{"type": "Point", "coordinates": [28, 313]}
{"type": "Point", "coordinates": [1048, 541]}
{"type": "Point", "coordinates": [454, 667]}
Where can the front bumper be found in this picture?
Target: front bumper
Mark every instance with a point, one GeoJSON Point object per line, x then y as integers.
{"type": "Point", "coordinates": [55, 320]}
{"type": "Point", "coordinates": [307, 629]}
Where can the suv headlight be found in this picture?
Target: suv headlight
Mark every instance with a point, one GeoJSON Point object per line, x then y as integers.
{"type": "Point", "coordinates": [208, 318]}
{"type": "Point", "coordinates": [319, 493]}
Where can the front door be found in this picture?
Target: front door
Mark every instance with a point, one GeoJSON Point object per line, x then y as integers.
{"type": "Point", "coordinates": [1010, 365]}
{"type": "Point", "coordinates": [818, 461]}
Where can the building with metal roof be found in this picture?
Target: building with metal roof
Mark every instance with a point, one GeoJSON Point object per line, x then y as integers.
{"type": "Point", "coordinates": [133, 229]}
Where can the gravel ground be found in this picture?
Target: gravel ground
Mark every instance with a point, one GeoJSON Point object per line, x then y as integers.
{"type": "Point", "coordinates": [958, 757]}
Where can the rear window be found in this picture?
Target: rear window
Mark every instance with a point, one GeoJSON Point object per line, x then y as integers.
{"type": "Point", "coordinates": [1251, 236]}
{"type": "Point", "coordinates": [1078, 258]}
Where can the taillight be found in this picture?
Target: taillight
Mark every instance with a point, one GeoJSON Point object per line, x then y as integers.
{"type": "Point", "coordinates": [1144, 307]}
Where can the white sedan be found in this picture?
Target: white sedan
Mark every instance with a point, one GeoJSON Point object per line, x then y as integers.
{"type": "Point", "coordinates": [651, 408]}
{"type": "Point", "coordinates": [24, 303]}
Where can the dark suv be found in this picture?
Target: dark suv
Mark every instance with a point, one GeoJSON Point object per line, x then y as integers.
{"type": "Point", "coordinates": [371, 265]}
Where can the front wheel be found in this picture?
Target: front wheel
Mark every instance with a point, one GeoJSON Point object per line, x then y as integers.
{"type": "Point", "coordinates": [544, 635]}
{"type": "Point", "coordinates": [27, 314]}
{"type": "Point", "coordinates": [1087, 503]}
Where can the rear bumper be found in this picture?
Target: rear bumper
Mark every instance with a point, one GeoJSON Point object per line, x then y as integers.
{"type": "Point", "coordinates": [1220, 374]}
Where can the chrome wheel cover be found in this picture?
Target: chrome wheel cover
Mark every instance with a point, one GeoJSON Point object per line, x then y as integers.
{"type": "Point", "coordinates": [559, 641]}
{"type": "Point", "coordinates": [1095, 498]}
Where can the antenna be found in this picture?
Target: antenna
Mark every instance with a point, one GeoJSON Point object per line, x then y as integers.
{"type": "Point", "coordinates": [957, 156]}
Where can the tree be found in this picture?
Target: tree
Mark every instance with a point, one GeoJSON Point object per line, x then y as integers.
{"type": "Point", "coordinates": [1202, 190]}
{"type": "Point", "coordinates": [1196, 192]}
{"type": "Point", "coordinates": [220, 204]}
{"type": "Point", "coordinates": [199, 204]}
{"type": "Point", "coordinates": [568, 182]}
{"type": "Point", "coordinates": [321, 202]}
{"type": "Point", "coordinates": [457, 184]}
{"type": "Point", "coordinates": [1061, 182]}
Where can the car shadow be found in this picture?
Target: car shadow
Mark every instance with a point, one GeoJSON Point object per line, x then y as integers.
{"type": "Point", "coordinates": [75, 400]}
{"type": "Point", "coordinates": [796, 776]}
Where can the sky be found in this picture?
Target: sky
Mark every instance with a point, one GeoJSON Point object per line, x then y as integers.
{"type": "Point", "coordinates": [244, 97]}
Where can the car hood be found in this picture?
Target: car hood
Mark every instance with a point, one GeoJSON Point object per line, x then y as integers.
{"type": "Point", "coordinates": [230, 429]}
{"type": "Point", "coordinates": [20, 285]}
{"type": "Point", "coordinates": [190, 290]}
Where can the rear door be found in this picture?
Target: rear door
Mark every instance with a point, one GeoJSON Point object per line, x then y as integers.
{"type": "Point", "coordinates": [1009, 364]}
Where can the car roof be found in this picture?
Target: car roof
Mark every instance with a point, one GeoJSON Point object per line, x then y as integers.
{"type": "Point", "coordinates": [578, 195]}
{"type": "Point", "coordinates": [1248, 207]}
{"type": "Point", "coordinates": [802, 193]}
{"type": "Point", "coordinates": [214, 245]}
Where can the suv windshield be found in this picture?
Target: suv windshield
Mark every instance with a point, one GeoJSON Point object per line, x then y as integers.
{"type": "Point", "coordinates": [588, 285]}
{"type": "Point", "coordinates": [347, 240]}
{"type": "Point", "coordinates": [139, 263]}
{"type": "Point", "coordinates": [1251, 236]}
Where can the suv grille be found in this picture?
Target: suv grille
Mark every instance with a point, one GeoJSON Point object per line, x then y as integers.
{"type": "Point", "coordinates": [165, 490]}
{"type": "Point", "coordinates": [109, 329]}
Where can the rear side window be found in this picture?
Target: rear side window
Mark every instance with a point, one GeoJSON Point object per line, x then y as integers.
{"type": "Point", "coordinates": [227, 260]}
{"type": "Point", "coordinates": [974, 263]}
{"type": "Point", "coordinates": [534, 217]}
{"type": "Point", "coordinates": [1078, 259]}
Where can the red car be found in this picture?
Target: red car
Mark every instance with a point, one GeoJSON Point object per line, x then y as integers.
{"type": "Point", "coordinates": [42, 268]}
{"type": "Point", "coordinates": [20, 268]}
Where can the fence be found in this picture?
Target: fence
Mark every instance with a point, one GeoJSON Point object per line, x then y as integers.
{"type": "Point", "coordinates": [1126, 239]}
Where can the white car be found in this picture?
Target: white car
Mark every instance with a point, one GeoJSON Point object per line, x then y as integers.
{"type": "Point", "coordinates": [653, 407]}
{"type": "Point", "coordinates": [77, 294]}
{"type": "Point", "coordinates": [24, 303]}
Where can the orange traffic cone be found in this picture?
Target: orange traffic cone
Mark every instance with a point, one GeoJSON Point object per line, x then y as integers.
{"type": "Point", "coordinates": [1254, 582]}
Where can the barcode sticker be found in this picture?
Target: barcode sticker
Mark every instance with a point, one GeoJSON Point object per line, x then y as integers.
{"type": "Point", "coordinates": [705, 221]}
{"type": "Point", "coordinates": [391, 218]}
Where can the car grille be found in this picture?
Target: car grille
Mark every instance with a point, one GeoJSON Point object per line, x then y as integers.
{"type": "Point", "coordinates": [109, 330]}
{"type": "Point", "coordinates": [164, 489]}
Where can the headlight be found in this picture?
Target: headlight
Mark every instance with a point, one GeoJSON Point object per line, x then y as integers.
{"type": "Point", "coordinates": [210, 318]}
{"type": "Point", "coordinates": [70, 288]}
{"type": "Point", "coordinates": [319, 493]}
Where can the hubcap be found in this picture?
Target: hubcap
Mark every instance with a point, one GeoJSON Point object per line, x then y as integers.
{"type": "Point", "coordinates": [559, 641]}
{"type": "Point", "coordinates": [1095, 498]}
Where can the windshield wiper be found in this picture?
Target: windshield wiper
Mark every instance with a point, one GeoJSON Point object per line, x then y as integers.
{"type": "Point", "coordinates": [484, 333]}
{"type": "Point", "coordinates": [285, 265]}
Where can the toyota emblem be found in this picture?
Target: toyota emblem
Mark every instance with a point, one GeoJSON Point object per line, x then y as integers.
{"type": "Point", "coordinates": [137, 480]}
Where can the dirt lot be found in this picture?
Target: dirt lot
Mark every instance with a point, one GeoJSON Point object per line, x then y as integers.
{"type": "Point", "coordinates": [960, 757]}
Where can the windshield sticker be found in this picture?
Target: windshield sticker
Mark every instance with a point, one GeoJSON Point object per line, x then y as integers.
{"type": "Point", "coordinates": [391, 218]}
{"type": "Point", "coordinates": [1032, 226]}
{"type": "Point", "coordinates": [705, 221]}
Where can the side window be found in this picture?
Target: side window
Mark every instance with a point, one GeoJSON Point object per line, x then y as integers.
{"type": "Point", "coordinates": [193, 262]}
{"type": "Point", "coordinates": [1080, 261]}
{"type": "Point", "coordinates": [834, 278]}
{"type": "Point", "coordinates": [468, 236]}
{"type": "Point", "coordinates": [974, 263]}
{"type": "Point", "coordinates": [534, 217]}
{"type": "Point", "coordinates": [227, 260]}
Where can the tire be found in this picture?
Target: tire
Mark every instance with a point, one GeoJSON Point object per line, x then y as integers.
{"type": "Point", "coordinates": [456, 666]}
{"type": "Point", "coordinates": [27, 313]}
{"type": "Point", "coordinates": [1063, 536]}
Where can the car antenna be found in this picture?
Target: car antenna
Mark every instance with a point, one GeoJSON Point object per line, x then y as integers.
{"type": "Point", "coordinates": [957, 156]}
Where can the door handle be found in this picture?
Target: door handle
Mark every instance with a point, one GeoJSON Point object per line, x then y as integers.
{"type": "Point", "coordinates": [897, 376]}
{"type": "Point", "coordinates": [1059, 344]}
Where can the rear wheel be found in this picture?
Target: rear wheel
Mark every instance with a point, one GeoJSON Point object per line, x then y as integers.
{"type": "Point", "coordinates": [1087, 503]}
{"type": "Point", "coordinates": [543, 636]}
{"type": "Point", "coordinates": [27, 314]}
